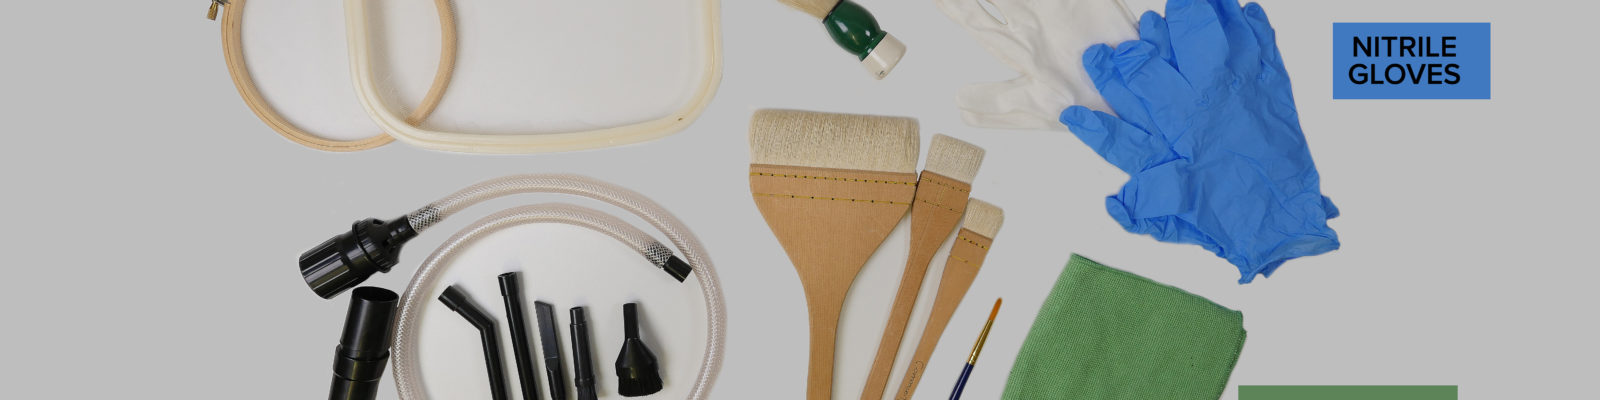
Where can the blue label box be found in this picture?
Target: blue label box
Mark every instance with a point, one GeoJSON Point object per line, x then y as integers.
{"type": "Point", "coordinates": [1411, 61]}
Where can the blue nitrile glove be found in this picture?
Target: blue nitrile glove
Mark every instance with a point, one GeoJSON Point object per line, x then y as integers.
{"type": "Point", "coordinates": [1209, 133]}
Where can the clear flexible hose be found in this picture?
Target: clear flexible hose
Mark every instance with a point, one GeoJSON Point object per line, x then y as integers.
{"type": "Point", "coordinates": [406, 364]}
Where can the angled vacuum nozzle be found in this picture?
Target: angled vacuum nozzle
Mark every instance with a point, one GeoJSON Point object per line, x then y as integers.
{"type": "Point", "coordinates": [637, 372]}
{"type": "Point", "coordinates": [460, 302]}
{"type": "Point", "coordinates": [341, 263]}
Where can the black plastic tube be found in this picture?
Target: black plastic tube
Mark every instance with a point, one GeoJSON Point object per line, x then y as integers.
{"type": "Point", "coordinates": [582, 363]}
{"type": "Point", "coordinates": [527, 368]}
{"type": "Point", "coordinates": [364, 345]}
{"type": "Point", "coordinates": [461, 303]}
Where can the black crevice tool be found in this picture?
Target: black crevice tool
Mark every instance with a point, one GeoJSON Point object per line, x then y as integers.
{"type": "Point", "coordinates": [461, 303]}
{"type": "Point", "coordinates": [550, 343]}
{"type": "Point", "coordinates": [511, 290]}
{"type": "Point", "coordinates": [637, 372]}
{"type": "Point", "coordinates": [364, 345]}
{"type": "Point", "coordinates": [582, 363]}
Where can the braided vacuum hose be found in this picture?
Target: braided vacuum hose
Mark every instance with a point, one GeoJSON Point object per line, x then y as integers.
{"type": "Point", "coordinates": [406, 365]}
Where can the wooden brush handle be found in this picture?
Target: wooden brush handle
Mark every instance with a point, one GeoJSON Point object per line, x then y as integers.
{"type": "Point", "coordinates": [936, 211]}
{"type": "Point", "coordinates": [899, 316]}
{"type": "Point", "coordinates": [823, 308]}
{"type": "Point", "coordinates": [829, 221]}
{"type": "Point", "coordinates": [960, 269]}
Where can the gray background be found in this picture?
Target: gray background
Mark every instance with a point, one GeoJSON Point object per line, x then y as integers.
{"type": "Point", "coordinates": [154, 218]}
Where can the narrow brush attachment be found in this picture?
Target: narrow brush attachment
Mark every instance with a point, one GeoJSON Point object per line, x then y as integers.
{"type": "Point", "coordinates": [840, 141]}
{"type": "Point", "coordinates": [983, 218]}
{"type": "Point", "coordinates": [953, 158]}
{"type": "Point", "coordinates": [817, 8]}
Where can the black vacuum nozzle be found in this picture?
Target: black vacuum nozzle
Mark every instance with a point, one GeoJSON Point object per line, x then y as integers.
{"type": "Point", "coordinates": [460, 302]}
{"type": "Point", "coordinates": [527, 367]}
{"type": "Point", "coordinates": [341, 263]}
{"type": "Point", "coordinates": [582, 364]}
{"type": "Point", "coordinates": [637, 372]}
{"type": "Point", "coordinates": [364, 346]}
{"type": "Point", "coordinates": [555, 376]}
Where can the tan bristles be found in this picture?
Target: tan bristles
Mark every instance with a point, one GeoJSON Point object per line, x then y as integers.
{"type": "Point", "coordinates": [817, 8]}
{"type": "Point", "coordinates": [953, 158]}
{"type": "Point", "coordinates": [826, 140]}
{"type": "Point", "coordinates": [983, 218]}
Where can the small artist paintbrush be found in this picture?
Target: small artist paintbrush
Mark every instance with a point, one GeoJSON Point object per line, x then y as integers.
{"type": "Point", "coordinates": [972, 360]}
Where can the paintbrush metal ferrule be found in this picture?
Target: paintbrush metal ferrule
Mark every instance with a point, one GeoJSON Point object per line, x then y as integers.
{"type": "Point", "coordinates": [216, 5]}
{"type": "Point", "coordinates": [972, 361]}
{"type": "Point", "coordinates": [983, 336]}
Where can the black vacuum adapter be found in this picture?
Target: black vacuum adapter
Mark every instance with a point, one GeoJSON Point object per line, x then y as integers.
{"type": "Point", "coordinates": [341, 263]}
{"type": "Point", "coordinates": [363, 350]}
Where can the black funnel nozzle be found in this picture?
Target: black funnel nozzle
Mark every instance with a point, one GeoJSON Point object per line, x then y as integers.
{"type": "Point", "coordinates": [364, 346]}
{"type": "Point", "coordinates": [637, 372]}
{"type": "Point", "coordinates": [341, 263]}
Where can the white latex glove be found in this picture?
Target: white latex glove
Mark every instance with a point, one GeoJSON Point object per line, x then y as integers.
{"type": "Point", "coordinates": [1043, 40]}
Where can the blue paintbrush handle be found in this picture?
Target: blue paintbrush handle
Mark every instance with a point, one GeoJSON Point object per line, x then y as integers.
{"type": "Point", "coordinates": [961, 383]}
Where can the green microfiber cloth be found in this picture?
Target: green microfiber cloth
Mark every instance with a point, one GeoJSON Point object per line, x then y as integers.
{"type": "Point", "coordinates": [1106, 334]}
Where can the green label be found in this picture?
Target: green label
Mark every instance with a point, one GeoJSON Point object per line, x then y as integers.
{"type": "Point", "coordinates": [1347, 392]}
